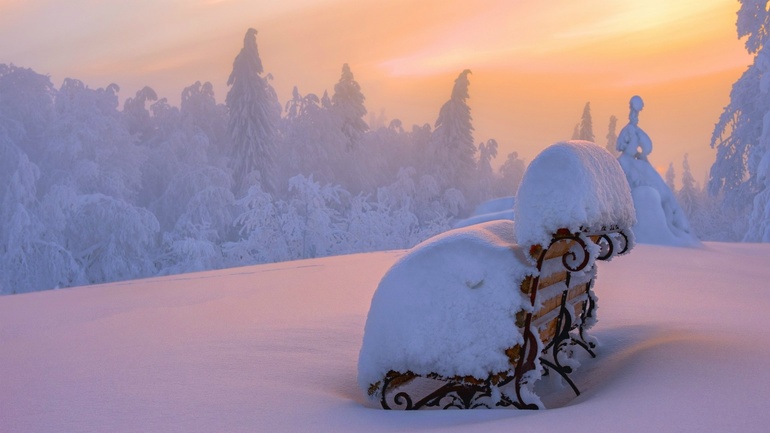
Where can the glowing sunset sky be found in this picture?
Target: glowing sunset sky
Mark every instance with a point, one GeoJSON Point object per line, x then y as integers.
{"type": "Point", "coordinates": [535, 63]}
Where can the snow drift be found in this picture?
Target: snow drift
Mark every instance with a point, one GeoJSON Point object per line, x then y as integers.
{"type": "Point", "coordinates": [273, 348]}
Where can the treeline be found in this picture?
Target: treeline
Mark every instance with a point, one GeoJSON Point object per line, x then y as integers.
{"type": "Point", "coordinates": [92, 193]}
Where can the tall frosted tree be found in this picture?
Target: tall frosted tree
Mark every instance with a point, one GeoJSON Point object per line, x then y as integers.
{"type": "Point", "coordinates": [452, 148]}
{"type": "Point", "coordinates": [586, 129]}
{"type": "Point", "coordinates": [348, 104]}
{"type": "Point", "coordinates": [254, 116]}
{"type": "Point", "coordinates": [688, 195]}
{"type": "Point", "coordinates": [742, 134]}
{"type": "Point", "coordinates": [737, 136]}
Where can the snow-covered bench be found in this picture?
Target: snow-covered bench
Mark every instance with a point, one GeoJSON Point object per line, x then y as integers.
{"type": "Point", "coordinates": [474, 316]}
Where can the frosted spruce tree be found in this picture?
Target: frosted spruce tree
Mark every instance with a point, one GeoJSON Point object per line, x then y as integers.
{"type": "Point", "coordinates": [742, 134]}
{"type": "Point", "coordinates": [254, 116]}
{"type": "Point", "coordinates": [688, 195]}
{"type": "Point", "coordinates": [348, 105]}
{"type": "Point", "coordinates": [452, 148]}
{"type": "Point", "coordinates": [586, 130]}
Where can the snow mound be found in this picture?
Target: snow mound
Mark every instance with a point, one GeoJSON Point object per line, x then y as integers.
{"type": "Point", "coordinates": [660, 219]}
{"type": "Point", "coordinates": [574, 185]}
{"type": "Point", "coordinates": [447, 306]}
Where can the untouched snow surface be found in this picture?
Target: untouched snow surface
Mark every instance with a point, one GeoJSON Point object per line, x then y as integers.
{"type": "Point", "coordinates": [273, 348]}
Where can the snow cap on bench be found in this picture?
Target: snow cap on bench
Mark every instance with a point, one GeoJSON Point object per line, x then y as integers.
{"type": "Point", "coordinates": [575, 185]}
{"type": "Point", "coordinates": [447, 306]}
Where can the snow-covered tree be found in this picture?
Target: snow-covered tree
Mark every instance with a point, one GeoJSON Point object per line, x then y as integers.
{"type": "Point", "coordinates": [452, 147]}
{"type": "Point", "coordinates": [136, 115]}
{"type": "Point", "coordinates": [511, 173]}
{"type": "Point", "coordinates": [737, 135]}
{"type": "Point", "coordinates": [486, 176]}
{"type": "Point", "coordinates": [388, 222]}
{"type": "Point", "coordinates": [586, 130]}
{"type": "Point", "coordinates": [26, 108]}
{"type": "Point", "coordinates": [689, 194]}
{"type": "Point", "coordinates": [742, 134]}
{"type": "Point", "coordinates": [260, 232]}
{"type": "Point", "coordinates": [30, 258]}
{"type": "Point", "coordinates": [612, 136]}
{"type": "Point", "coordinates": [311, 220]}
{"type": "Point", "coordinates": [254, 116]}
{"type": "Point", "coordinates": [110, 239]}
{"type": "Point", "coordinates": [348, 105]}
{"type": "Point", "coordinates": [89, 145]}
{"type": "Point", "coordinates": [313, 141]}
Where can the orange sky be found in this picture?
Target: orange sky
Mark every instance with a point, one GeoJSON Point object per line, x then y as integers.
{"type": "Point", "coordinates": [535, 63]}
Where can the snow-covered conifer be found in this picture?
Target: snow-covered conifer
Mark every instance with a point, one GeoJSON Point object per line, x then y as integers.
{"type": "Point", "coordinates": [348, 105]}
{"type": "Point", "coordinates": [689, 193]}
{"type": "Point", "coordinates": [586, 131]}
{"type": "Point", "coordinates": [738, 132]}
{"type": "Point", "coordinates": [742, 134]}
{"type": "Point", "coordinates": [452, 148]}
{"type": "Point", "coordinates": [254, 116]}
{"type": "Point", "coordinates": [511, 173]}
{"type": "Point", "coordinates": [612, 136]}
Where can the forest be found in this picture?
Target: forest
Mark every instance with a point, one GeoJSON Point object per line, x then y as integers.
{"type": "Point", "coordinates": [92, 192]}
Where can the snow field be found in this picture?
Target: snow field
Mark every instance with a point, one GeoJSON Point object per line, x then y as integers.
{"type": "Point", "coordinates": [273, 348]}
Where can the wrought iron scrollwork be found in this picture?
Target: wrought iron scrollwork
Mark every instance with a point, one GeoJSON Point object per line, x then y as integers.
{"type": "Point", "coordinates": [576, 258]}
{"type": "Point", "coordinates": [558, 344]}
{"type": "Point", "coordinates": [610, 242]}
{"type": "Point", "coordinates": [626, 243]}
{"type": "Point", "coordinates": [454, 394]}
{"type": "Point", "coordinates": [607, 247]}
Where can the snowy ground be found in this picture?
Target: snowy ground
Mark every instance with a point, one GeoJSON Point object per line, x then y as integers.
{"type": "Point", "coordinates": [685, 337]}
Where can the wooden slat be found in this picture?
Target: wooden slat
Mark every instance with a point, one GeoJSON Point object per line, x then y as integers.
{"type": "Point", "coordinates": [559, 248]}
{"type": "Point", "coordinates": [554, 278]}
